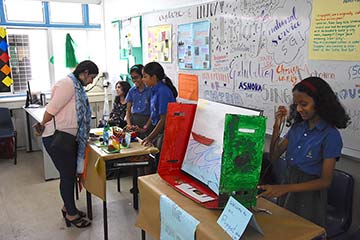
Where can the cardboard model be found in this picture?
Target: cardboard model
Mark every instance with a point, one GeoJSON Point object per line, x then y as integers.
{"type": "Point", "coordinates": [212, 150]}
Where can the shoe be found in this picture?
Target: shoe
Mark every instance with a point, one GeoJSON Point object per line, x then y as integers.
{"type": "Point", "coordinates": [81, 213]}
{"type": "Point", "coordinates": [78, 222]}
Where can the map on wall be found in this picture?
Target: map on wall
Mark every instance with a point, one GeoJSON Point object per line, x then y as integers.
{"type": "Point", "coordinates": [159, 43]}
{"type": "Point", "coordinates": [193, 45]}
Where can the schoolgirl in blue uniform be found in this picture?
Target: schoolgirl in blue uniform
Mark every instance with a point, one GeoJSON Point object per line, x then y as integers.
{"type": "Point", "coordinates": [162, 93]}
{"type": "Point", "coordinates": [313, 145]}
{"type": "Point", "coordinates": [138, 103]}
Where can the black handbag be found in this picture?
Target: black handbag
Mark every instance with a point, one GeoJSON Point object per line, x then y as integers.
{"type": "Point", "coordinates": [63, 141]}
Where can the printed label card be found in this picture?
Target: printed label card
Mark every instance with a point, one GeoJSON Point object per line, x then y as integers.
{"type": "Point", "coordinates": [235, 218]}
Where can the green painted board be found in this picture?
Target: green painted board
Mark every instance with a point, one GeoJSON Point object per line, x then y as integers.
{"type": "Point", "coordinates": [244, 138]}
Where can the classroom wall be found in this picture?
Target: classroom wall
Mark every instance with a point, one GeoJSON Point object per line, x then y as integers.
{"type": "Point", "coordinates": [114, 9]}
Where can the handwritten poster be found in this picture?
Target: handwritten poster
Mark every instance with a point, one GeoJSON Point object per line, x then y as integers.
{"type": "Point", "coordinates": [176, 224]}
{"type": "Point", "coordinates": [159, 43]}
{"type": "Point", "coordinates": [235, 218]}
{"type": "Point", "coordinates": [188, 86]}
{"type": "Point", "coordinates": [335, 30]}
{"type": "Point", "coordinates": [193, 45]}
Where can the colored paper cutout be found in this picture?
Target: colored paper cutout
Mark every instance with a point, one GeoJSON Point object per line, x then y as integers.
{"type": "Point", "coordinates": [2, 32]}
{"type": "Point", "coordinates": [4, 57]}
{"type": "Point", "coordinates": [5, 69]}
{"type": "Point", "coordinates": [3, 45]}
{"type": "Point", "coordinates": [188, 86]}
{"type": "Point", "coordinates": [7, 81]}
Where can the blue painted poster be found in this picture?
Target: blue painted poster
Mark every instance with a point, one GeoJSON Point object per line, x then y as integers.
{"type": "Point", "coordinates": [193, 45]}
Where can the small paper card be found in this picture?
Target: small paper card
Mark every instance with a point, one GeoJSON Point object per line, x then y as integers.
{"type": "Point", "coordinates": [235, 218]}
{"type": "Point", "coordinates": [195, 193]}
{"type": "Point", "coordinates": [176, 224]}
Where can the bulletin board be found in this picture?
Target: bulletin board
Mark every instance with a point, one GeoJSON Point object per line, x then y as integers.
{"type": "Point", "coordinates": [261, 49]}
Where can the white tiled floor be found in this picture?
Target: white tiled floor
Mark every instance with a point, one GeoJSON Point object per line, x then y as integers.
{"type": "Point", "coordinates": [30, 207]}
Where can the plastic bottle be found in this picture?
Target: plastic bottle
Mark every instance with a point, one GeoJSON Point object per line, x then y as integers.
{"type": "Point", "coordinates": [106, 134]}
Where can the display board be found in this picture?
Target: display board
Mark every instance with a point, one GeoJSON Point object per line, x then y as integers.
{"type": "Point", "coordinates": [260, 50]}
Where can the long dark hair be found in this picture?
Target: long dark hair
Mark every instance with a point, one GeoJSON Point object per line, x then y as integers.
{"type": "Point", "coordinates": [327, 104]}
{"type": "Point", "coordinates": [86, 65]}
{"type": "Point", "coordinates": [137, 68]}
{"type": "Point", "coordinates": [125, 86]}
{"type": "Point", "coordinates": [154, 68]}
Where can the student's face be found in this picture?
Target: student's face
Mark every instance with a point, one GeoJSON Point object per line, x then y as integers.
{"type": "Point", "coordinates": [149, 80]}
{"type": "Point", "coordinates": [119, 90]}
{"type": "Point", "coordinates": [87, 78]}
{"type": "Point", "coordinates": [305, 105]}
{"type": "Point", "coordinates": [137, 79]}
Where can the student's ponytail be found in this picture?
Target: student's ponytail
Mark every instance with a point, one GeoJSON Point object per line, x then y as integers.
{"type": "Point", "coordinates": [167, 81]}
{"type": "Point", "coordinates": [154, 68]}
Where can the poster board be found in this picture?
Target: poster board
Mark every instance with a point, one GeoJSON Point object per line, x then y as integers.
{"type": "Point", "coordinates": [252, 67]}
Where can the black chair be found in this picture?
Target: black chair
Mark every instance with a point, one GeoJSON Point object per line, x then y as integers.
{"type": "Point", "coordinates": [7, 130]}
{"type": "Point", "coordinates": [340, 197]}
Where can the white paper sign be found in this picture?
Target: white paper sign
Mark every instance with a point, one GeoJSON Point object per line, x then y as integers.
{"type": "Point", "coordinates": [176, 224]}
{"type": "Point", "coordinates": [235, 218]}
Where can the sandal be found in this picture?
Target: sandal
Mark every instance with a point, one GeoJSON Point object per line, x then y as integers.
{"type": "Point", "coordinates": [78, 222]}
{"type": "Point", "coordinates": [81, 213]}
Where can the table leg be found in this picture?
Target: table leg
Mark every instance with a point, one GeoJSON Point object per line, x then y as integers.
{"type": "Point", "coordinates": [143, 235]}
{"type": "Point", "coordinates": [29, 131]}
{"type": "Point", "coordinates": [135, 187]}
{"type": "Point", "coordinates": [89, 205]}
{"type": "Point", "coordinates": [105, 221]}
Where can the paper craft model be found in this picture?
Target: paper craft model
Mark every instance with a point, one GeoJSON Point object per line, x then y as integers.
{"type": "Point", "coordinates": [212, 151]}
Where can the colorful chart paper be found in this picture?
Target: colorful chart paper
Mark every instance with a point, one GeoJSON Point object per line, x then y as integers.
{"type": "Point", "coordinates": [335, 30]}
{"type": "Point", "coordinates": [193, 45]}
{"type": "Point", "coordinates": [188, 86]}
{"type": "Point", "coordinates": [159, 43]}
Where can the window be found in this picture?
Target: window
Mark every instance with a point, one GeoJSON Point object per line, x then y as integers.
{"type": "Point", "coordinates": [18, 11]}
{"type": "Point", "coordinates": [95, 14]}
{"type": "Point", "coordinates": [28, 59]}
{"type": "Point", "coordinates": [65, 12]}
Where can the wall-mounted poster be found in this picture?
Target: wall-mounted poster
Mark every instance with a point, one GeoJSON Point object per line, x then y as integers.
{"type": "Point", "coordinates": [159, 43]}
{"type": "Point", "coordinates": [5, 71]}
{"type": "Point", "coordinates": [193, 45]}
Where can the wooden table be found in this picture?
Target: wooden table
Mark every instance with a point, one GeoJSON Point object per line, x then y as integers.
{"type": "Point", "coordinates": [282, 224]}
{"type": "Point", "coordinates": [98, 163]}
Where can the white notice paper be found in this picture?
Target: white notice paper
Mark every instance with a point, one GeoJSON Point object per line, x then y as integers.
{"type": "Point", "coordinates": [176, 224]}
{"type": "Point", "coordinates": [235, 218]}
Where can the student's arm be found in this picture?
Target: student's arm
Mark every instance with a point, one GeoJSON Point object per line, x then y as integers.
{"type": "Point", "coordinates": [323, 182]}
{"type": "Point", "coordinates": [128, 114]}
{"type": "Point", "coordinates": [277, 147]}
{"type": "Point", "coordinates": [158, 128]}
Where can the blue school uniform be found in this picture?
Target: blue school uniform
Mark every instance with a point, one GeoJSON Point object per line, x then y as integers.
{"type": "Point", "coordinates": [140, 100]}
{"type": "Point", "coordinates": [308, 147]}
{"type": "Point", "coordinates": [306, 150]}
{"type": "Point", "coordinates": [161, 95]}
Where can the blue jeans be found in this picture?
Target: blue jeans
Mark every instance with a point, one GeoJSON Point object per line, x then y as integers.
{"type": "Point", "coordinates": [65, 163]}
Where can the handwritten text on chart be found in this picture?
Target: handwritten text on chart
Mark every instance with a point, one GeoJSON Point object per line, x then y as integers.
{"type": "Point", "coordinates": [249, 70]}
{"type": "Point", "coordinates": [277, 96]}
{"type": "Point", "coordinates": [215, 76]}
{"type": "Point", "coordinates": [209, 9]}
{"type": "Point", "coordinates": [225, 97]}
{"type": "Point", "coordinates": [354, 72]}
{"type": "Point", "coordinates": [286, 35]}
{"type": "Point", "coordinates": [355, 120]}
{"type": "Point", "coordinates": [350, 93]}
{"type": "Point", "coordinates": [334, 32]}
{"type": "Point", "coordinates": [171, 15]}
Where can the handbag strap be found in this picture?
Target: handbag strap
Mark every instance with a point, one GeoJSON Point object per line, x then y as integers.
{"type": "Point", "coordinates": [54, 123]}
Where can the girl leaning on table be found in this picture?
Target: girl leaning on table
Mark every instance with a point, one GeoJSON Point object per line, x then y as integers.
{"type": "Point", "coordinates": [162, 92]}
{"type": "Point", "coordinates": [69, 114]}
{"type": "Point", "coordinates": [313, 145]}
